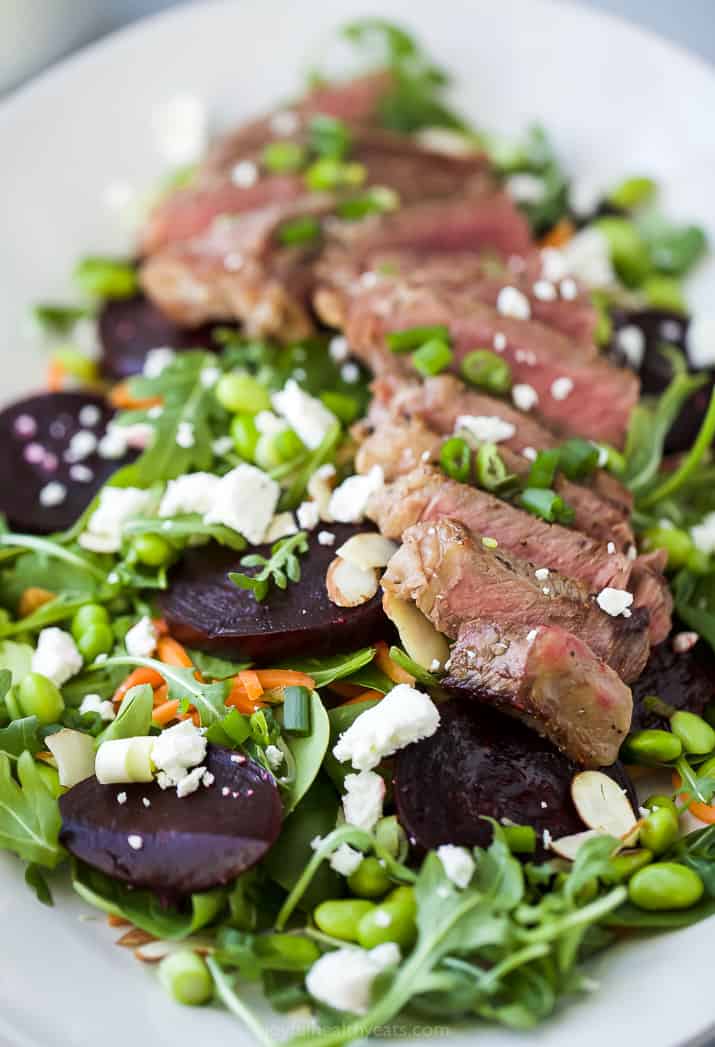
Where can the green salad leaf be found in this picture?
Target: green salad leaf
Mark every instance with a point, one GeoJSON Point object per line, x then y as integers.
{"type": "Point", "coordinates": [280, 568]}
{"type": "Point", "coordinates": [207, 698]}
{"type": "Point", "coordinates": [20, 736]}
{"type": "Point", "coordinates": [29, 815]}
{"type": "Point", "coordinates": [134, 716]}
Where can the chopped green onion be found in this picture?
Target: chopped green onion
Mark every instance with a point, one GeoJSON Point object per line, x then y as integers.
{"type": "Point", "coordinates": [374, 201]}
{"type": "Point", "coordinates": [663, 292]}
{"type": "Point", "coordinates": [487, 370]}
{"type": "Point", "coordinates": [413, 337]}
{"type": "Point", "coordinates": [543, 469]}
{"type": "Point", "coordinates": [106, 277]}
{"type": "Point", "coordinates": [58, 319]}
{"type": "Point", "coordinates": [545, 504]}
{"type": "Point", "coordinates": [578, 458]}
{"type": "Point", "coordinates": [186, 978]}
{"type": "Point", "coordinates": [343, 406]}
{"type": "Point", "coordinates": [675, 480]}
{"type": "Point", "coordinates": [604, 325]}
{"type": "Point", "coordinates": [455, 458]}
{"type": "Point", "coordinates": [432, 357]}
{"type": "Point", "coordinates": [303, 230]}
{"type": "Point", "coordinates": [279, 157]}
{"type": "Point", "coordinates": [521, 839]}
{"type": "Point", "coordinates": [328, 137]}
{"type": "Point", "coordinates": [632, 192]}
{"type": "Point", "coordinates": [490, 469]}
{"type": "Point", "coordinates": [334, 174]}
{"type": "Point", "coordinates": [296, 710]}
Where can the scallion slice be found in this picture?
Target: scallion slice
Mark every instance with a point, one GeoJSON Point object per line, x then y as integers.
{"type": "Point", "coordinates": [413, 337]}
{"type": "Point", "coordinates": [546, 504]}
{"type": "Point", "coordinates": [296, 710]}
{"type": "Point", "coordinates": [543, 468]}
{"type": "Point", "coordinates": [432, 357]}
{"type": "Point", "coordinates": [455, 458]}
{"type": "Point", "coordinates": [578, 458]}
{"type": "Point", "coordinates": [303, 230]}
{"type": "Point", "coordinates": [490, 469]}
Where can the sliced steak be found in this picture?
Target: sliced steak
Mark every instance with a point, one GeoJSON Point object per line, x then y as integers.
{"type": "Point", "coordinates": [454, 579]}
{"type": "Point", "coordinates": [426, 494]}
{"type": "Point", "coordinates": [651, 590]}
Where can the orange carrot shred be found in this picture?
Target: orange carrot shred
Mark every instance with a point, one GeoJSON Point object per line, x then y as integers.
{"type": "Point", "coordinates": [55, 376]}
{"type": "Point", "coordinates": [273, 678]}
{"type": "Point", "coordinates": [365, 696]}
{"type": "Point", "coordinates": [238, 698]}
{"type": "Point", "coordinates": [142, 674]}
{"type": "Point", "coordinates": [560, 235]}
{"type": "Point", "coordinates": [172, 652]}
{"type": "Point", "coordinates": [166, 712]}
{"type": "Point", "coordinates": [395, 672]}
{"type": "Point", "coordinates": [121, 398]}
{"type": "Point", "coordinates": [704, 812]}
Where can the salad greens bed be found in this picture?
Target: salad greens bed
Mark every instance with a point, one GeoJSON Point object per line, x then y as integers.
{"type": "Point", "coordinates": [505, 941]}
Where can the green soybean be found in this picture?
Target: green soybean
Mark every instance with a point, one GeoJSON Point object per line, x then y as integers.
{"type": "Point", "coordinates": [186, 978]}
{"type": "Point", "coordinates": [677, 543]}
{"type": "Point", "coordinates": [487, 370]}
{"type": "Point", "coordinates": [369, 879]}
{"type": "Point", "coordinates": [288, 445]}
{"type": "Point", "coordinates": [40, 697]}
{"type": "Point", "coordinates": [651, 747]}
{"type": "Point", "coordinates": [90, 614]}
{"type": "Point", "coordinates": [632, 192]}
{"type": "Point", "coordinates": [239, 391]}
{"type": "Point", "coordinates": [244, 435]}
{"type": "Point", "coordinates": [152, 550]}
{"type": "Point", "coordinates": [95, 640]}
{"type": "Point", "coordinates": [696, 735]}
{"type": "Point", "coordinates": [393, 920]}
{"type": "Point", "coordinates": [626, 864]}
{"type": "Point", "coordinates": [665, 885]}
{"type": "Point", "coordinates": [50, 777]}
{"type": "Point", "coordinates": [659, 830]}
{"type": "Point", "coordinates": [661, 800]}
{"type": "Point", "coordinates": [340, 918]}
{"type": "Point", "coordinates": [390, 835]}
{"type": "Point", "coordinates": [520, 838]}
{"type": "Point", "coordinates": [629, 251]}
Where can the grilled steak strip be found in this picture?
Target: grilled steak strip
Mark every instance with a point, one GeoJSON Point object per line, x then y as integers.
{"type": "Point", "coordinates": [454, 579]}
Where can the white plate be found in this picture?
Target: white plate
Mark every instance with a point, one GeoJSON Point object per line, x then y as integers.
{"type": "Point", "coordinates": [617, 101]}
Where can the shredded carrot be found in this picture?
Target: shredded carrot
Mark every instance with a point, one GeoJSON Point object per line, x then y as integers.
{"type": "Point", "coordinates": [365, 696]}
{"type": "Point", "coordinates": [56, 375]}
{"type": "Point", "coordinates": [140, 675]}
{"type": "Point", "coordinates": [161, 694]}
{"type": "Point", "coordinates": [560, 235]}
{"type": "Point", "coordinates": [346, 690]}
{"type": "Point", "coordinates": [172, 652]}
{"type": "Point", "coordinates": [162, 629]}
{"type": "Point", "coordinates": [251, 684]}
{"type": "Point", "coordinates": [121, 398]}
{"type": "Point", "coordinates": [166, 712]}
{"type": "Point", "coordinates": [272, 678]}
{"type": "Point", "coordinates": [395, 672]}
{"type": "Point", "coordinates": [117, 921]}
{"type": "Point", "coordinates": [704, 812]}
{"type": "Point", "coordinates": [239, 698]}
{"type": "Point", "coordinates": [32, 598]}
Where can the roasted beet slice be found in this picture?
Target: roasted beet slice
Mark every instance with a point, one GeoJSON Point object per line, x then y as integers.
{"type": "Point", "coordinates": [481, 763]}
{"type": "Point", "coordinates": [684, 680]}
{"type": "Point", "coordinates": [130, 327]}
{"type": "Point", "coordinates": [204, 609]}
{"type": "Point", "coordinates": [186, 844]}
{"type": "Point", "coordinates": [36, 435]}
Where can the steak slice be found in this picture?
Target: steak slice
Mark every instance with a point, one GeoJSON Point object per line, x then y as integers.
{"type": "Point", "coordinates": [455, 580]}
{"type": "Point", "coordinates": [426, 494]}
{"type": "Point", "coordinates": [548, 678]}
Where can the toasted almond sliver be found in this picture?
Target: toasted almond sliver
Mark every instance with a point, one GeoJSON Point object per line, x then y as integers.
{"type": "Point", "coordinates": [568, 846]}
{"type": "Point", "coordinates": [418, 636]}
{"type": "Point", "coordinates": [135, 937]}
{"type": "Point", "coordinates": [155, 951]}
{"type": "Point", "coordinates": [348, 585]}
{"type": "Point", "coordinates": [367, 550]}
{"type": "Point", "coordinates": [601, 803]}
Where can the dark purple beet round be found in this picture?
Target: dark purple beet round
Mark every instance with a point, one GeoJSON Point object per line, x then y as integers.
{"type": "Point", "coordinates": [35, 436]}
{"type": "Point", "coordinates": [684, 681]}
{"type": "Point", "coordinates": [190, 843]}
{"type": "Point", "coordinates": [482, 763]}
{"type": "Point", "coordinates": [204, 609]}
{"type": "Point", "coordinates": [130, 327]}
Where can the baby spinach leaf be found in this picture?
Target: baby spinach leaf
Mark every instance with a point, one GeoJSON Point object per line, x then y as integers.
{"type": "Point", "coordinates": [332, 667]}
{"type": "Point", "coordinates": [36, 881]}
{"type": "Point", "coordinates": [134, 716]}
{"type": "Point", "coordinates": [29, 814]}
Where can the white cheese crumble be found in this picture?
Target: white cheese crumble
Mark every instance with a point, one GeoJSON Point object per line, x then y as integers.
{"type": "Point", "coordinates": [631, 341]}
{"type": "Point", "coordinates": [326, 538]}
{"type": "Point", "coordinates": [245, 500]}
{"type": "Point", "coordinates": [190, 782]}
{"type": "Point", "coordinates": [524, 396]}
{"type": "Point", "coordinates": [362, 802]}
{"type": "Point", "coordinates": [701, 340]}
{"type": "Point", "coordinates": [553, 264]}
{"type": "Point", "coordinates": [499, 342]}
{"type": "Point", "coordinates": [53, 493]}
{"type": "Point", "coordinates": [345, 859]}
{"type": "Point", "coordinates": [529, 453]}
{"type": "Point", "coordinates": [587, 256]}
{"type": "Point", "coordinates": [89, 415]}
{"type": "Point", "coordinates": [544, 290]}
{"type": "Point", "coordinates": [349, 501]}
{"type": "Point", "coordinates": [308, 515]}
{"type": "Point", "coordinates": [269, 424]}
{"type": "Point", "coordinates": [308, 417]}
{"type": "Point", "coordinates": [561, 388]}
{"type": "Point", "coordinates": [56, 656]}
{"type": "Point", "coordinates": [157, 360]}
{"type": "Point", "coordinates": [81, 445]}
{"type": "Point", "coordinates": [342, 979]}
{"type": "Point", "coordinates": [513, 302]}
{"type": "Point", "coordinates": [185, 436]}
{"type": "Point", "coordinates": [568, 289]}
{"type": "Point", "coordinates": [350, 372]}
{"type": "Point", "coordinates": [93, 703]}
{"type": "Point", "coordinates": [141, 639]}
{"type": "Point", "coordinates": [275, 757]}
{"type": "Point", "coordinates": [615, 601]}
{"type": "Point", "coordinates": [339, 349]}
{"type": "Point", "coordinates": [458, 864]}
{"type": "Point", "coordinates": [135, 842]}
{"type": "Point", "coordinates": [703, 534]}
{"type": "Point", "coordinates": [191, 493]}
{"type": "Point", "coordinates": [404, 715]}
{"type": "Point", "coordinates": [176, 751]}
{"type": "Point", "coordinates": [526, 188]}
{"type": "Point", "coordinates": [611, 548]}
{"type": "Point", "coordinates": [116, 506]}
{"type": "Point", "coordinates": [282, 525]}
{"type": "Point", "coordinates": [485, 428]}
{"type": "Point", "coordinates": [541, 573]}
{"type": "Point", "coordinates": [244, 174]}
{"type": "Point", "coordinates": [121, 797]}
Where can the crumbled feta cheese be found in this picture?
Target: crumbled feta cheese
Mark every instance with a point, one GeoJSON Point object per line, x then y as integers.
{"type": "Point", "coordinates": [190, 782]}
{"type": "Point", "coordinates": [141, 639]}
{"type": "Point", "coordinates": [435, 665]}
{"type": "Point", "coordinates": [631, 341]}
{"type": "Point", "coordinates": [585, 195]}
{"type": "Point", "coordinates": [285, 122]}
{"type": "Point", "coordinates": [553, 264]}
{"type": "Point", "coordinates": [244, 174]}
{"type": "Point", "coordinates": [52, 494]}
{"type": "Point", "coordinates": [404, 715]}
{"type": "Point", "coordinates": [114, 443]}
{"type": "Point", "coordinates": [222, 445]}
{"type": "Point", "coordinates": [209, 376]}
{"type": "Point", "coordinates": [499, 342]}
{"type": "Point", "coordinates": [568, 289]}
{"type": "Point", "coordinates": [93, 703]}
{"type": "Point", "coordinates": [342, 979]}
{"type": "Point", "coordinates": [89, 415]}
{"type": "Point", "coordinates": [701, 339]}
{"type": "Point", "coordinates": [269, 424]}
{"type": "Point", "coordinates": [541, 573]}
{"type": "Point", "coordinates": [544, 290]}
{"type": "Point", "coordinates": [157, 360]}
{"type": "Point", "coordinates": [116, 506]}
{"type": "Point", "coordinates": [275, 757]}
{"type": "Point", "coordinates": [526, 188]}
{"type": "Point", "coordinates": [185, 436]}
{"type": "Point", "coordinates": [56, 656]}
{"type": "Point", "coordinates": [529, 453]}
{"type": "Point", "coordinates": [524, 396]}
{"type": "Point", "coordinates": [146, 801]}
{"type": "Point", "coordinates": [280, 526]}
{"type": "Point", "coordinates": [349, 501]}
{"type": "Point", "coordinates": [561, 388]}
{"type": "Point", "coordinates": [458, 864]}
{"type": "Point", "coordinates": [345, 859]}
{"type": "Point", "coordinates": [310, 418]}
{"type": "Point", "coordinates": [121, 797]}
{"type": "Point", "coordinates": [308, 515]}
{"type": "Point", "coordinates": [615, 601]}
{"type": "Point", "coordinates": [684, 641]}
{"type": "Point", "coordinates": [485, 428]}
{"type": "Point", "coordinates": [339, 349]}
{"type": "Point", "coordinates": [587, 256]}
{"type": "Point", "coordinates": [703, 534]}
{"type": "Point", "coordinates": [362, 802]}
{"type": "Point", "coordinates": [326, 538]}
{"type": "Point", "coordinates": [191, 493]}
{"type": "Point", "coordinates": [175, 751]}
{"type": "Point", "coordinates": [350, 372]}
{"type": "Point", "coordinates": [135, 842]}
{"type": "Point", "coordinates": [81, 445]}
{"type": "Point", "coordinates": [513, 302]}
{"type": "Point", "coordinates": [245, 500]}
{"type": "Point", "coordinates": [611, 548]}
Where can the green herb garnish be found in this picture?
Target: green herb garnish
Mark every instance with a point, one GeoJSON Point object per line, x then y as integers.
{"type": "Point", "coordinates": [280, 568]}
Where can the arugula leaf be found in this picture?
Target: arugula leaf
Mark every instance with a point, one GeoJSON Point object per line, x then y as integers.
{"type": "Point", "coordinates": [35, 880]}
{"type": "Point", "coordinates": [20, 736]}
{"type": "Point", "coordinates": [207, 698]}
{"type": "Point", "coordinates": [697, 850]}
{"type": "Point", "coordinates": [281, 567]}
{"type": "Point", "coordinates": [693, 605]}
{"type": "Point", "coordinates": [58, 319]}
{"type": "Point", "coordinates": [179, 530]}
{"type": "Point", "coordinates": [676, 479]}
{"type": "Point", "coordinates": [305, 754]}
{"type": "Point", "coordinates": [16, 658]}
{"type": "Point", "coordinates": [213, 667]}
{"type": "Point", "coordinates": [29, 815]}
{"type": "Point", "coordinates": [134, 716]}
{"type": "Point", "coordinates": [332, 667]}
{"type": "Point", "coordinates": [295, 490]}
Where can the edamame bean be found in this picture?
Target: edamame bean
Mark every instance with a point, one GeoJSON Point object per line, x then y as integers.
{"type": "Point", "coordinates": [369, 879]}
{"type": "Point", "coordinates": [659, 830]}
{"type": "Point", "coordinates": [240, 391]}
{"type": "Point", "coordinates": [626, 864]}
{"type": "Point", "coordinates": [96, 639]}
{"type": "Point", "coordinates": [487, 370]}
{"type": "Point", "coordinates": [390, 835]}
{"type": "Point", "coordinates": [632, 192]}
{"type": "Point", "coordinates": [677, 543]}
{"type": "Point", "coordinates": [665, 885]}
{"type": "Point", "coordinates": [245, 436]}
{"type": "Point", "coordinates": [629, 252]}
{"type": "Point", "coordinates": [90, 614]}
{"type": "Point", "coordinates": [38, 696]}
{"type": "Point", "coordinates": [152, 550]}
{"type": "Point", "coordinates": [186, 978]}
{"type": "Point", "coordinates": [661, 800]}
{"type": "Point", "coordinates": [341, 918]}
{"type": "Point", "coordinates": [651, 747]}
{"type": "Point", "coordinates": [288, 445]}
{"type": "Point", "coordinates": [696, 736]}
{"type": "Point", "coordinates": [393, 920]}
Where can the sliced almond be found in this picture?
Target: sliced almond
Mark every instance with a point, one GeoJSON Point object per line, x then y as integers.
{"type": "Point", "coordinates": [367, 550]}
{"type": "Point", "coordinates": [423, 643]}
{"type": "Point", "coordinates": [320, 488]}
{"type": "Point", "coordinates": [569, 846]}
{"type": "Point", "coordinates": [135, 937]}
{"type": "Point", "coordinates": [601, 803]}
{"type": "Point", "coordinates": [154, 952]}
{"type": "Point", "coordinates": [348, 585]}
